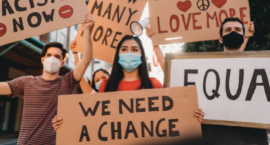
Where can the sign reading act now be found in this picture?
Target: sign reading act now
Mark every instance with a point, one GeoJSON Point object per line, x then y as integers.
{"type": "Point", "coordinates": [158, 116]}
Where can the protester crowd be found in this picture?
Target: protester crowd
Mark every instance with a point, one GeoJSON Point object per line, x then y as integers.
{"type": "Point", "coordinates": [129, 72]}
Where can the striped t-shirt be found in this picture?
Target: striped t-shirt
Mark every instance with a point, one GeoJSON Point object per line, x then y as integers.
{"type": "Point", "coordinates": [40, 106]}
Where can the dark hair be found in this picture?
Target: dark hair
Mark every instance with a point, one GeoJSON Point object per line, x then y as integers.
{"type": "Point", "coordinates": [117, 72]}
{"type": "Point", "coordinates": [93, 84]}
{"type": "Point", "coordinates": [231, 20]}
{"type": "Point", "coordinates": [54, 44]}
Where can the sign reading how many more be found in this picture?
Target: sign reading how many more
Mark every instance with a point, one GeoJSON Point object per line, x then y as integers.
{"type": "Point", "coordinates": [178, 21]}
{"type": "Point", "coordinates": [113, 19]}
{"type": "Point", "coordinates": [149, 117]}
{"type": "Point", "coordinates": [233, 87]}
{"type": "Point", "coordinates": [20, 19]}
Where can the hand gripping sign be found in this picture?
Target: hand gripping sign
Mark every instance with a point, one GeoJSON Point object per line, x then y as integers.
{"type": "Point", "coordinates": [20, 19]}
{"type": "Point", "coordinates": [178, 21]}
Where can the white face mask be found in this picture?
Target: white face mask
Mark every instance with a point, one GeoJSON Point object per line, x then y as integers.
{"type": "Point", "coordinates": [51, 65]}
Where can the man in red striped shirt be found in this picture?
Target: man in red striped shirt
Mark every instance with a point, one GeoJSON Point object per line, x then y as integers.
{"type": "Point", "coordinates": [40, 93]}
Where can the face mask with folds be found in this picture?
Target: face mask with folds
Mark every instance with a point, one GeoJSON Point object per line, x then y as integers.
{"type": "Point", "coordinates": [130, 61]}
{"type": "Point", "coordinates": [51, 65]}
{"type": "Point", "coordinates": [233, 40]}
{"type": "Point", "coordinates": [98, 84]}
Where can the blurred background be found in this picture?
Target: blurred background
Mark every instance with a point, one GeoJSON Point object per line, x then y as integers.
{"type": "Point", "coordinates": [23, 58]}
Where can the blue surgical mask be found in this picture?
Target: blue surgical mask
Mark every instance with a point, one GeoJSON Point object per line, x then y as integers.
{"type": "Point", "coordinates": [98, 84]}
{"type": "Point", "coordinates": [130, 61]}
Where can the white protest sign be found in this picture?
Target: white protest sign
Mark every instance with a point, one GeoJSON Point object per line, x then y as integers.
{"type": "Point", "coordinates": [229, 89]}
{"type": "Point", "coordinates": [27, 18]}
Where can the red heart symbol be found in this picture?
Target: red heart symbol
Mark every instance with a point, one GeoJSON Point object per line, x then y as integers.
{"type": "Point", "coordinates": [184, 6]}
{"type": "Point", "coordinates": [219, 3]}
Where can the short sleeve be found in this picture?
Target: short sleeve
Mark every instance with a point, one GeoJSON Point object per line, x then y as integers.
{"type": "Point", "coordinates": [103, 86]}
{"type": "Point", "coordinates": [70, 81]}
{"type": "Point", "coordinates": [156, 83]}
{"type": "Point", "coordinates": [17, 85]}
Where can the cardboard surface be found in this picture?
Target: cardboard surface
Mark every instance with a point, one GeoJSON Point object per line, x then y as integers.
{"type": "Point", "coordinates": [113, 19]}
{"type": "Point", "coordinates": [193, 20]}
{"type": "Point", "coordinates": [23, 19]}
{"type": "Point", "coordinates": [184, 125]}
{"type": "Point", "coordinates": [234, 95]}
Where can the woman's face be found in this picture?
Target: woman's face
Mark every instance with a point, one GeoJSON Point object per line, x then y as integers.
{"type": "Point", "coordinates": [130, 46]}
{"type": "Point", "coordinates": [100, 75]}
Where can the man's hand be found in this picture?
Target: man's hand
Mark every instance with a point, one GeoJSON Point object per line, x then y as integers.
{"type": "Point", "coordinates": [89, 21]}
{"type": "Point", "coordinates": [56, 122]}
{"type": "Point", "coordinates": [252, 27]}
{"type": "Point", "coordinates": [252, 30]}
{"type": "Point", "coordinates": [72, 46]}
{"type": "Point", "coordinates": [150, 32]}
{"type": "Point", "coordinates": [200, 115]}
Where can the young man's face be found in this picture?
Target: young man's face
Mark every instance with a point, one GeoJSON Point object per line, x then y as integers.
{"type": "Point", "coordinates": [228, 28]}
{"type": "Point", "coordinates": [56, 52]}
{"type": "Point", "coordinates": [232, 26]}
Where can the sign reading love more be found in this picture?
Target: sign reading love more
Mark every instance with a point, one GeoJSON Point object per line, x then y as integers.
{"type": "Point", "coordinates": [193, 20]}
{"type": "Point", "coordinates": [233, 87]}
{"type": "Point", "coordinates": [113, 18]}
{"type": "Point", "coordinates": [148, 117]}
{"type": "Point", "coordinates": [27, 18]}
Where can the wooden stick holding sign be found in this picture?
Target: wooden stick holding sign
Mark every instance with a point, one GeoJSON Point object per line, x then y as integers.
{"type": "Point", "coordinates": [152, 117]}
{"type": "Point", "coordinates": [233, 87]}
{"type": "Point", "coordinates": [27, 18]}
{"type": "Point", "coordinates": [113, 22]}
{"type": "Point", "coordinates": [179, 21]}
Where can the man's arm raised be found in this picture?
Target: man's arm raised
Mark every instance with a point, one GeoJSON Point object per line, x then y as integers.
{"type": "Point", "coordinates": [87, 49]}
{"type": "Point", "coordinates": [86, 88]}
{"type": "Point", "coordinates": [5, 89]}
{"type": "Point", "coordinates": [252, 30]}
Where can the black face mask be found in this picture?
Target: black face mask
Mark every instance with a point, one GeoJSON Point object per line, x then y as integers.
{"type": "Point", "coordinates": [233, 40]}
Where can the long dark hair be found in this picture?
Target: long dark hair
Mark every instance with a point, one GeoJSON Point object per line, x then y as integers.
{"type": "Point", "coordinates": [117, 72]}
{"type": "Point", "coordinates": [93, 84]}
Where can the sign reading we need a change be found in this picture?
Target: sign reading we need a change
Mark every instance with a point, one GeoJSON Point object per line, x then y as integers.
{"type": "Point", "coordinates": [20, 19]}
{"type": "Point", "coordinates": [232, 87]}
{"type": "Point", "coordinates": [144, 117]}
{"type": "Point", "coordinates": [113, 19]}
{"type": "Point", "coordinates": [178, 21]}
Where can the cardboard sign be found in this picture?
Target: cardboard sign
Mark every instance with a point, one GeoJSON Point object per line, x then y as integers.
{"type": "Point", "coordinates": [27, 18]}
{"type": "Point", "coordinates": [155, 116]}
{"type": "Point", "coordinates": [113, 19]}
{"type": "Point", "coordinates": [233, 87]}
{"type": "Point", "coordinates": [178, 21]}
